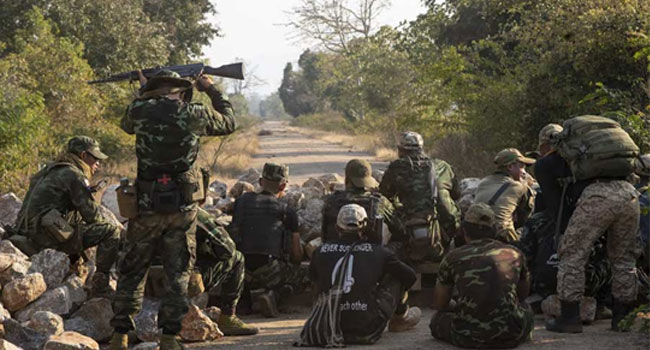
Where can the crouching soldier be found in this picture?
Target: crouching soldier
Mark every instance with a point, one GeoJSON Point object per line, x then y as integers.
{"type": "Point", "coordinates": [491, 279]}
{"type": "Point", "coordinates": [373, 283]}
{"type": "Point", "coordinates": [266, 232]}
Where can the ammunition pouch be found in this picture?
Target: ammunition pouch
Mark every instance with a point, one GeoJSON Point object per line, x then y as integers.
{"type": "Point", "coordinates": [423, 240]}
{"type": "Point", "coordinates": [57, 226]}
{"type": "Point", "coordinates": [169, 194]}
{"type": "Point", "coordinates": [127, 201]}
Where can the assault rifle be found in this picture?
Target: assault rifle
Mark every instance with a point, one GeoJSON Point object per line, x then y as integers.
{"type": "Point", "coordinates": [234, 71]}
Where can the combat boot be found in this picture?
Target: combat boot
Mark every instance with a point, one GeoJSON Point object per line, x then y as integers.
{"type": "Point", "coordinates": [569, 321]}
{"type": "Point", "coordinates": [406, 321]}
{"type": "Point", "coordinates": [170, 342]}
{"type": "Point", "coordinates": [100, 286]}
{"type": "Point", "coordinates": [233, 325]}
{"type": "Point", "coordinates": [619, 311]}
{"type": "Point", "coordinates": [119, 342]}
{"type": "Point", "coordinates": [268, 304]}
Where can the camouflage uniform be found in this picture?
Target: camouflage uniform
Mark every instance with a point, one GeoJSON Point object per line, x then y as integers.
{"type": "Point", "coordinates": [63, 185]}
{"type": "Point", "coordinates": [605, 206]}
{"type": "Point", "coordinates": [167, 144]}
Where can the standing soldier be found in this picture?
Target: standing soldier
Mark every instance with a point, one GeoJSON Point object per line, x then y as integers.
{"type": "Point", "coordinates": [167, 128]}
{"type": "Point", "coordinates": [425, 189]}
{"type": "Point", "coordinates": [60, 212]}
{"type": "Point", "coordinates": [511, 200]}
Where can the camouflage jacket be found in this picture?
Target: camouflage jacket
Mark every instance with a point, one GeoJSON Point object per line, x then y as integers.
{"type": "Point", "coordinates": [486, 274]}
{"type": "Point", "coordinates": [167, 131]}
{"type": "Point", "coordinates": [406, 183]}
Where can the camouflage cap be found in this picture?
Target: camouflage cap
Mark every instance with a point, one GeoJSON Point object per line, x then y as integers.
{"type": "Point", "coordinates": [480, 214]}
{"type": "Point", "coordinates": [275, 172]}
{"type": "Point", "coordinates": [411, 140]}
{"type": "Point", "coordinates": [642, 165]}
{"type": "Point", "coordinates": [79, 144]}
{"type": "Point", "coordinates": [548, 132]}
{"type": "Point", "coordinates": [166, 77]}
{"type": "Point", "coordinates": [511, 155]}
{"type": "Point", "coordinates": [359, 172]}
{"type": "Point", "coordinates": [351, 217]}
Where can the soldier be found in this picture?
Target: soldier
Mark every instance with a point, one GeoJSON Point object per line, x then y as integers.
{"type": "Point", "coordinates": [491, 280]}
{"type": "Point", "coordinates": [223, 271]}
{"type": "Point", "coordinates": [511, 200]}
{"type": "Point", "coordinates": [60, 212]}
{"type": "Point", "coordinates": [374, 285]}
{"type": "Point", "coordinates": [426, 189]}
{"type": "Point", "coordinates": [360, 188]}
{"type": "Point", "coordinates": [167, 129]}
{"type": "Point", "coordinates": [266, 232]}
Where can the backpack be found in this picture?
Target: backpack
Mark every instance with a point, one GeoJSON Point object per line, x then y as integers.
{"type": "Point", "coordinates": [596, 147]}
{"type": "Point", "coordinates": [370, 203]}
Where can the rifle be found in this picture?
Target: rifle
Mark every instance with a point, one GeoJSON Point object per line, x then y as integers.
{"type": "Point", "coordinates": [234, 71]}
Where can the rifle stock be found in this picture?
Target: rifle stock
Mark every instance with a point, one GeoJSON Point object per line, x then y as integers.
{"type": "Point", "coordinates": [233, 71]}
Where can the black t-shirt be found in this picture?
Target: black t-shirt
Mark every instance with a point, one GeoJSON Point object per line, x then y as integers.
{"type": "Point", "coordinates": [369, 264]}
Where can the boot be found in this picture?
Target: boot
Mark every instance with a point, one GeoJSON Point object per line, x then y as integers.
{"type": "Point", "coordinates": [406, 321]}
{"type": "Point", "coordinates": [268, 304]}
{"type": "Point", "coordinates": [232, 325]}
{"type": "Point", "coordinates": [119, 342]}
{"type": "Point", "coordinates": [619, 311]}
{"type": "Point", "coordinates": [170, 342]}
{"type": "Point", "coordinates": [569, 321]}
{"type": "Point", "coordinates": [100, 286]}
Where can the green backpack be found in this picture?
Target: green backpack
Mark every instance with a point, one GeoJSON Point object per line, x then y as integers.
{"type": "Point", "coordinates": [596, 147]}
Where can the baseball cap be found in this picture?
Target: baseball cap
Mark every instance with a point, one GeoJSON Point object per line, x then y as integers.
{"type": "Point", "coordinates": [511, 155]}
{"type": "Point", "coordinates": [79, 144]}
{"type": "Point", "coordinates": [351, 217]}
{"type": "Point", "coordinates": [480, 214]}
{"type": "Point", "coordinates": [359, 172]}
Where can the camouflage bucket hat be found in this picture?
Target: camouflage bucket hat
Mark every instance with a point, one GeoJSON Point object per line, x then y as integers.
{"type": "Point", "coordinates": [166, 77]}
{"type": "Point", "coordinates": [480, 214]}
{"type": "Point", "coordinates": [275, 172]}
{"type": "Point", "coordinates": [511, 155]}
{"type": "Point", "coordinates": [642, 165]}
{"type": "Point", "coordinates": [547, 133]}
{"type": "Point", "coordinates": [411, 140]}
{"type": "Point", "coordinates": [351, 217]}
{"type": "Point", "coordinates": [80, 144]}
{"type": "Point", "coordinates": [359, 172]}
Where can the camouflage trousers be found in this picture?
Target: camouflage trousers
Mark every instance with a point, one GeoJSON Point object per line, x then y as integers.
{"type": "Point", "coordinates": [604, 207]}
{"type": "Point", "coordinates": [284, 278]}
{"type": "Point", "coordinates": [224, 279]}
{"type": "Point", "coordinates": [173, 237]}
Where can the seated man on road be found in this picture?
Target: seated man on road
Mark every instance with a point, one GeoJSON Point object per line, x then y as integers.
{"type": "Point", "coordinates": [266, 232]}
{"type": "Point", "coordinates": [376, 281]}
{"type": "Point", "coordinates": [491, 280]}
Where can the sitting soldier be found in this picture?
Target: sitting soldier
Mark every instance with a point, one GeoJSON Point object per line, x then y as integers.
{"type": "Point", "coordinates": [491, 280]}
{"type": "Point", "coordinates": [375, 281]}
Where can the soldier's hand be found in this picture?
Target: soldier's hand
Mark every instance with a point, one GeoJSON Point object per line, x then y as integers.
{"type": "Point", "coordinates": [142, 78]}
{"type": "Point", "coordinates": [203, 83]}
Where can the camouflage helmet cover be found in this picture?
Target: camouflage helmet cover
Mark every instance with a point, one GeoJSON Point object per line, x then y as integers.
{"type": "Point", "coordinates": [411, 140]}
{"type": "Point", "coordinates": [351, 217]}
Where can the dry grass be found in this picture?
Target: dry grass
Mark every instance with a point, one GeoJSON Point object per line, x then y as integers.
{"type": "Point", "coordinates": [230, 155]}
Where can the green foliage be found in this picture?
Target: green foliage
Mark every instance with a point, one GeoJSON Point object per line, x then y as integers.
{"type": "Point", "coordinates": [271, 107]}
{"type": "Point", "coordinates": [239, 104]}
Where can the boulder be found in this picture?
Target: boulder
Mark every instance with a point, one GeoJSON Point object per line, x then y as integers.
{"type": "Point", "coordinates": [6, 247]}
{"type": "Point", "coordinates": [294, 199]}
{"type": "Point", "coordinates": [46, 322]}
{"type": "Point", "coordinates": [332, 181]}
{"type": "Point", "coordinates": [93, 319]}
{"type": "Point", "coordinates": [251, 176]}
{"type": "Point", "coordinates": [52, 264]}
{"type": "Point", "coordinates": [200, 300]}
{"type": "Point", "coordinates": [55, 300]}
{"type": "Point", "coordinates": [315, 183]}
{"type": "Point", "coordinates": [9, 207]}
{"type": "Point", "coordinates": [4, 314]}
{"type": "Point", "coordinates": [6, 260]}
{"type": "Point", "coordinates": [22, 291]}
{"type": "Point", "coordinates": [551, 308]}
{"type": "Point", "coordinates": [310, 219]}
{"type": "Point", "coordinates": [18, 267]}
{"type": "Point", "coordinates": [218, 189]}
{"type": "Point", "coordinates": [213, 313]}
{"type": "Point", "coordinates": [146, 322]}
{"type": "Point", "coordinates": [22, 336]}
{"type": "Point", "coordinates": [146, 346]}
{"type": "Point", "coordinates": [197, 326]}
{"type": "Point", "coordinates": [109, 201]}
{"type": "Point", "coordinates": [240, 188]}
{"type": "Point", "coordinates": [6, 345]}
{"type": "Point", "coordinates": [225, 205]}
{"type": "Point", "coordinates": [70, 341]}
{"type": "Point", "coordinates": [75, 285]}
{"type": "Point", "coordinates": [2, 232]}
{"type": "Point", "coordinates": [469, 185]}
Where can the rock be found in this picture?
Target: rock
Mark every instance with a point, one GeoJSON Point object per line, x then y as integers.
{"type": "Point", "coordinates": [146, 322]}
{"type": "Point", "coordinates": [332, 181]}
{"type": "Point", "coordinates": [378, 174]}
{"type": "Point", "coordinates": [22, 336]}
{"type": "Point", "coordinates": [240, 188]}
{"type": "Point", "coordinates": [18, 268]}
{"type": "Point", "coordinates": [70, 341]}
{"type": "Point", "coordinates": [75, 285]}
{"type": "Point", "coordinates": [201, 300]}
{"type": "Point", "coordinates": [310, 219]}
{"type": "Point", "coordinates": [551, 308]}
{"type": "Point", "coordinates": [9, 207]}
{"type": "Point", "coordinates": [226, 205]}
{"type": "Point", "coordinates": [6, 247]}
{"type": "Point", "coordinates": [93, 319]}
{"type": "Point", "coordinates": [55, 300]}
{"type": "Point", "coordinates": [5, 345]}
{"type": "Point", "coordinates": [2, 232]}
{"type": "Point", "coordinates": [4, 314]}
{"type": "Point", "coordinates": [213, 313]}
{"type": "Point", "coordinates": [218, 188]}
{"type": "Point", "coordinates": [197, 326]}
{"type": "Point", "coordinates": [294, 199]}
{"type": "Point", "coordinates": [46, 322]}
{"type": "Point", "coordinates": [109, 201]}
{"type": "Point", "coordinates": [52, 264]}
{"type": "Point", "coordinates": [146, 346]}
{"type": "Point", "coordinates": [6, 260]}
{"type": "Point", "coordinates": [315, 183]}
{"type": "Point", "coordinates": [22, 291]}
{"type": "Point", "coordinates": [251, 176]}
{"type": "Point", "coordinates": [469, 185]}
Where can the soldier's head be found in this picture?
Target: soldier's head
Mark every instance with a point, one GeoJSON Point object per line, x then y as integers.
{"type": "Point", "coordinates": [274, 178]}
{"type": "Point", "coordinates": [546, 138]}
{"type": "Point", "coordinates": [168, 83]}
{"type": "Point", "coordinates": [410, 142]}
{"type": "Point", "coordinates": [358, 174]}
{"type": "Point", "coordinates": [512, 162]}
{"type": "Point", "coordinates": [351, 220]}
{"type": "Point", "coordinates": [88, 150]}
{"type": "Point", "coordinates": [478, 222]}
{"type": "Point", "coordinates": [642, 166]}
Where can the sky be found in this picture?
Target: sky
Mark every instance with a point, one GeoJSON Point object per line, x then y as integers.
{"type": "Point", "coordinates": [253, 30]}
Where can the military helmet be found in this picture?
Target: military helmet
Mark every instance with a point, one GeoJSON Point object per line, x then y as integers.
{"type": "Point", "coordinates": [642, 165]}
{"type": "Point", "coordinates": [166, 77]}
{"type": "Point", "coordinates": [411, 140]}
{"type": "Point", "coordinates": [351, 217]}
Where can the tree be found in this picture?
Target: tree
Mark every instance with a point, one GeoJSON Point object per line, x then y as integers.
{"type": "Point", "coordinates": [271, 107]}
{"type": "Point", "coordinates": [250, 81]}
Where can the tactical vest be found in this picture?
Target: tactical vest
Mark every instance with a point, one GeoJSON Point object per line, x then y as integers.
{"type": "Point", "coordinates": [414, 185]}
{"type": "Point", "coordinates": [262, 228]}
{"type": "Point", "coordinates": [369, 201]}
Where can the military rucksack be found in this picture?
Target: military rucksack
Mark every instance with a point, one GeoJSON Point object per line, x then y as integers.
{"type": "Point", "coordinates": [369, 202]}
{"type": "Point", "coordinates": [596, 147]}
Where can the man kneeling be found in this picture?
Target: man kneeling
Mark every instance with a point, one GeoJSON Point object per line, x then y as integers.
{"type": "Point", "coordinates": [374, 282]}
{"type": "Point", "coordinates": [491, 278]}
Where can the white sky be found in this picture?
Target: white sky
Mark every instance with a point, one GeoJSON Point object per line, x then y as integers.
{"type": "Point", "coordinates": [251, 30]}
